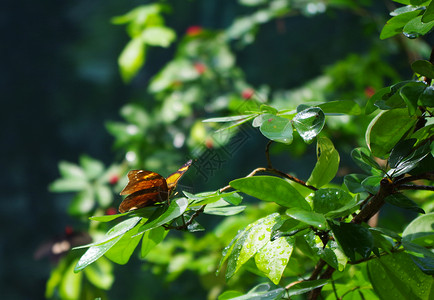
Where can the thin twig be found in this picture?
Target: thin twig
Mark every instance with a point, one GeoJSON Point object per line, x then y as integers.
{"type": "Point", "coordinates": [416, 187]}
{"type": "Point", "coordinates": [267, 154]}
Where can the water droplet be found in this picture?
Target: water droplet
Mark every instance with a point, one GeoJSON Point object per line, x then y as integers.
{"type": "Point", "coordinates": [411, 35]}
{"type": "Point", "coordinates": [261, 237]}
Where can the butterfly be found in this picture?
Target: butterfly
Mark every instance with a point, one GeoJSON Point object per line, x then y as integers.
{"type": "Point", "coordinates": [145, 188]}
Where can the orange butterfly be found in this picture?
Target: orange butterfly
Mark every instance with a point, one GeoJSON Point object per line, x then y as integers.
{"type": "Point", "coordinates": [145, 188]}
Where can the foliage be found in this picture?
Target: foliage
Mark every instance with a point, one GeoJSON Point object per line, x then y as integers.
{"type": "Point", "coordinates": [308, 236]}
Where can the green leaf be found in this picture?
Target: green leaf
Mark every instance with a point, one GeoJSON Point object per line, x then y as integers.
{"type": "Point", "coordinates": [277, 129]}
{"type": "Point", "coordinates": [330, 199]}
{"type": "Point", "coordinates": [424, 68]}
{"type": "Point", "coordinates": [132, 58]}
{"type": "Point", "coordinates": [420, 231]}
{"type": "Point", "coordinates": [308, 217]}
{"type": "Point", "coordinates": [260, 292]}
{"type": "Point", "coordinates": [428, 15]}
{"type": "Point", "coordinates": [259, 120]}
{"type": "Point", "coordinates": [396, 277]}
{"type": "Point", "coordinates": [151, 238]}
{"type": "Point", "coordinates": [145, 212]}
{"type": "Point", "coordinates": [158, 36]}
{"type": "Point", "coordinates": [370, 107]}
{"type": "Point", "coordinates": [95, 252]}
{"type": "Point", "coordinates": [421, 256]}
{"type": "Point", "coordinates": [69, 170]}
{"type": "Point", "coordinates": [274, 256]}
{"type": "Point", "coordinates": [411, 93]}
{"type": "Point", "coordinates": [309, 123]}
{"type": "Point", "coordinates": [353, 239]}
{"type": "Point", "coordinates": [104, 195]}
{"type": "Point", "coordinates": [396, 24]}
{"type": "Point", "coordinates": [423, 134]}
{"type": "Point", "coordinates": [82, 203]}
{"type": "Point", "coordinates": [224, 211]}
{"type": "Point", "coordinates": [363, 158]}
{"type": "Point", "coordinates": [400, 151]}
{"type": "Point", "coordinates": [229, 119]}
{"type": "Point", "coordinates": [416, 28]}
{"type": "Point", "coordinates": [92, 168]}
{"type": "Point", "coordinates": [63, 185]}
{"type": "Point", "coordinates": [372, 184]}
{"type": "Point", "coordinates": [354, 182]}
{"type": "Point", "coordinates": [347, 107]}
{"type": "Point", "coordinates": [100, 274]}
{"type": "Point", "coordinates": [305, 286]}
{"type": "Point", "coordinates": [327, 164]}
{"type": "Point", "coordinates": [427, 97]}
{"type": "Point", "coordinates": [271, 189]}
{"type": "Point", "coordinates": [248, 243]}
{"type": "Point", "coordinates": [176, 208]}
{"type": "Point", "coordinates": [70, 285]}
{"type": "Point", "coordinates": [124, 248]}
{"type": "Point", "coordinates": [411, 162]}
{"type": "Point", "coordinates": [386, 129]}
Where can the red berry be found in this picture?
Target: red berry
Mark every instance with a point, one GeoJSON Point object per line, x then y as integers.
{"type": "Point", "coordinates": [113, 179]}
{"type": "Point", "coordinates": [194, 30]}
{"type": "Point", "coordinates": [111, 211]}
{"type": "Point", "coordinates": [200, 68]}
{"type": "Point", "coordinates": [247, 93]}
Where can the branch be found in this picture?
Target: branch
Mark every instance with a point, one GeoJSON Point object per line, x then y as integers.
{"type": "Point", "coordinates": [416, 187]}
{"type": "Point", "coordinates": [189, 222]}
{"type": "Point", "coordinates": [377, 201]}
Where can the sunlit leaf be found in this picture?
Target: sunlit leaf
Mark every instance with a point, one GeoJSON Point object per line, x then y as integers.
{"type": "Point", "coordinates": [327, 164]}
{"type": "Point", "coordinates": [277, 129]}
{"type": "Point", "coordinates": [309, 123]}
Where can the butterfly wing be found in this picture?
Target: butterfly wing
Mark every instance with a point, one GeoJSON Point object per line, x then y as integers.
{"type": "Point", "coordinates": [173, 178]}
{"type": "Point", "coordinates": [143, 188]}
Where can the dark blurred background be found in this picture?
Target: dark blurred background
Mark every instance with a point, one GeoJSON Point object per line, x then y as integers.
{"type": "Point", "coordinates": [59, 83]}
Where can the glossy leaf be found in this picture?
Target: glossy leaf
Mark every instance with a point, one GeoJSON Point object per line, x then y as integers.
{"type": "Point", "coordinates": [95, 252]}
{"type": "Point", "coordinates": [124, 248]}
{"type": "Point", "coordinates": [411, 162]}
{"type": "Point", "coordinates": [308, 217]}
{"type": "Point", "coordinates": [100, 274]}
{"type": "Point", "coordinates": [224, 211]}
{"type": "Point", "coordinates": [327, 164]}
{"type": "Point", "coordinates": [176, 208]}
{"type": "Point", "coordinates": [330, 199]}
{"type": "Point", "coordinates": [151, 238]}
{"type": "Point", "coordinates": [363, 158]}
{"type": "Point", "coordinates": [262, 291]}
{"type": "Point", "coordinates": [416, 28]}
{"type": "Point", "coordinates": [400, 151]}
{"type": "Point", "coordinates": [309, 123]}
{"type": "Point", "coordinates": [397, 277]}
{"type": "Point", "coordinates": [228, 119]}
{"type": "Point", "coordinates": [115, 231]}
{"type": "Point", "coordinates": [421, 256]}
{"type": "Point", "coordinates": [259, 120]}
{"type": "Point", "coordinates": [386, 129]}
{"type": "Point", "coordinates": [271, 189]}
{"type": "Point", "coordinates": [277, 129]}
{"type": "Point", "coordinates": [396, 24]}
{"type": "Point", "coordinates": [355, 240]}
{"type": "Point", "coordinates": [274, 256]}
{"type": "Point", "coordinates": [249, 242]}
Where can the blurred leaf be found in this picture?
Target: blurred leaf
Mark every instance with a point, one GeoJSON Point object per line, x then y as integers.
{"type": "Point", "coordinates": [271, 189]}
{"type": "Point", "coordinates": [397, 276]}
{"type": "Point", "coordinates": [228, 119]}
{"type": "Point", "coordinates": [158, 36]}
{"type": "Point", "coordinates": [386, 129]}
{"type": "Point", "coordinates": [260, 292]}
{"type": "Point", "coordinates": [309, 123]}
{"type": "Point", "coordinates": [100, 274]}
{"type": "Point", "coordinates": [104, 195]}
{"type": "Point", "coordinates": [427, 97]}
{"type": "Point", "coordinates": [70, 285]}
{"type": "Point", "coordinates": [68, 185]}
{"type": "Point", "coordinates": [353, 239]}
{"type": "Point", "coordinates": [132, 58]}
{"type": "Point", "coordinates": [277, 129]}
{"type": "Point", "coordinates": [92, 168]}
{"type": "Point", "coordinates": [327, 164]}
{"type": "Point", "coordinates": [69, 170]}
{"type": "Point", "coordinates": [424, 68]}
{"type": "Point", "coordinates": [347, 107]}
{"type": "Point", "coordinates": [82, 203]}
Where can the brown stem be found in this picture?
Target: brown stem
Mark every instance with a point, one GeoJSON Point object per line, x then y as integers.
{"type": "Point", "coordinates": [267, 154]}
{"type": "Point", "coordinates": [313, 295]}
{"type": "Point", "coordinates": [373, 206]}
{"type": "Point", "coordinates": [416, 187]}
